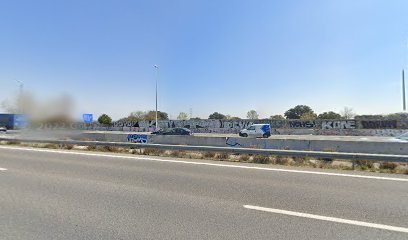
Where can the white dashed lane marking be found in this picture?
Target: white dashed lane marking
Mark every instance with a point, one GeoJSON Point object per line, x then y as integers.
{"type": "Point", "coordinates": [329, 219]}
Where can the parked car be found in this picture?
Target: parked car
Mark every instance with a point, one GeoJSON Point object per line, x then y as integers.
{"type": "Point", "coordinates": [3, 130]}
{"type": "Point", "coordinates": [256, 130]}
{"type": "Point", "coordinates": [173, 131]}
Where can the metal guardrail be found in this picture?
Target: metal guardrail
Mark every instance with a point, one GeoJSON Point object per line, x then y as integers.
{"type": "Point", "coordinates": [275, 152]}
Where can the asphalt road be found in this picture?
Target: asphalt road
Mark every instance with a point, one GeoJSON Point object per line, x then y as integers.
{"type": "Point", "coordinates": [68, 195]}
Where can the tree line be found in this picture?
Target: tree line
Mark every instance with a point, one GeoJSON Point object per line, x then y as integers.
{"type": "Point", "coordinates": [301, 112]}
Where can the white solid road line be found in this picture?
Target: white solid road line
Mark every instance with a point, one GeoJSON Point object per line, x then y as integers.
{"type": "Point", "coordinates": [208, 164]}
{"type": "Point", "coordinates": [330, 219]}
{"type": "Point", "coordinates": [3, 169]}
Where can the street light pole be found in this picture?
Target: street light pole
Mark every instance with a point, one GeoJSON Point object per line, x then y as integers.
{"type": "Point", "coordinates": [157, 79]}
{"type": "Point", "coordinates": [21, 100]}
{"type": "Point", "coordinates": [404, 106]}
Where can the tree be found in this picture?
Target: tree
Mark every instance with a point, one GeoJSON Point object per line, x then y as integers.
{"type": "Point", "coordinates": [137, 116]}
{"type": "Point", "coordinates": [151, 116]}
{"type": "Point", "coordinates": [182, 116]}
{"type": "Point", "coordinates": [252, 114]}
{"type": "Point", "coordinates": [105, 119]}
{"type": "Point", "coordinates": [276, 117]}
{"type": "Point", "coordinates": [397, 116]}
{"type": "Point", "coordinates": [231, 118]}
{"type": "Point", "coordinates": [347, 113]}
{"type": "Point", "coordinates": [308, 116]}
{"type": "Point", "coordinates": [370, 117]}
{"type": "Point", "coordinates": [216, 115]}
{"type": "Point", "coordinates": [329, 115]}
{"type": "Point", "coordinates": [297, 112]}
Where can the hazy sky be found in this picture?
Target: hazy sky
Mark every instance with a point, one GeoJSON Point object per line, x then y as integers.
{"type": "Point", "coordinates": [214, 55]}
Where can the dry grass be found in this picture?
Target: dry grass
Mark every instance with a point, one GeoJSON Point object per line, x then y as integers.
{"type": "Point", "coordinates": [300, 160]}
{"type": "Point", "coordinates": [261, 159]}
{"type": "Point", "coordinates": [389, 165]}
{"type": "Point", "coordinates": [12, 143]}
{"type": "Point", "coordinates": [52, 146]}
{"type": "Point", "coordinates": [91, 148]}
{"type": "Point", "coordinates": [153, 151]}
{"type": "Point", "coordinates": [107, 149]}
{"type": "Point", "coordinates": [209, 155]}
{"type": "Point", "coordinates": [176, 153]}
{"type": "Point", "coordinates": [222, 156]}
{"type": "Point", "coordinates": [244, 158]}
{"type": "Point", "coordinates": [281, 160]}
{"type": "Point", "coordinates": [67, 146]}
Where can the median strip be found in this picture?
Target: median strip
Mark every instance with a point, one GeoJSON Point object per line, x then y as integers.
{"type": "Point", "coordinates": [209, 164]}
{"type": "Point", "coordinates": [329, 219]}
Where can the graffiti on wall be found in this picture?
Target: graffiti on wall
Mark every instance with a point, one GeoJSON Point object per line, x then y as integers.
{"type": "Point", "coordinates": [380, 124]}
{"type": "Point", "coordinates": [302, 124]}
{"type": "Point", "coordinates": [232, 142]}
{"type": "Point", "coordinates": [137, 138]}
{"type": "Point", "coordinates": [318, 127]}
{"type": "Point", "coordinates": [349, 124]}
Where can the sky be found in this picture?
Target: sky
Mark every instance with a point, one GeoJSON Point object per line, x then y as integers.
{"type": "Point", "coordinates": [227, 56]}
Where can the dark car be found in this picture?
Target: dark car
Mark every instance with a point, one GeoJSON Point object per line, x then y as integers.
{"type": "Point", "coordinates": [173, 131]}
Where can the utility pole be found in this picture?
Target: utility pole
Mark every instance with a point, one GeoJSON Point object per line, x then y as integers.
{"type": "Point", "coordinates": [157, 79]}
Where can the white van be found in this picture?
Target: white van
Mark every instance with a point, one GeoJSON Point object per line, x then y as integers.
{"type": "Point", "coordinates": [256, 130]}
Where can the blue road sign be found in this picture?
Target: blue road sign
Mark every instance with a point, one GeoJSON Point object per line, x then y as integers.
{"type": "Point", "coordinates": [88, 118]}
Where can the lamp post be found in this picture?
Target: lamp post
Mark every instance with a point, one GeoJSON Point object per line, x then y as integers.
{"type": "Point", "coordinates": [404, 106]}
{"type": "Point", "coordinates": [157, 79]}
{"type": "Point", "coordinates": [21, 100]}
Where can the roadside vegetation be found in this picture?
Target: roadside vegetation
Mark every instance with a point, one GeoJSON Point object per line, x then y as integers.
{"type": "Point", "coordinates": [360, 165]}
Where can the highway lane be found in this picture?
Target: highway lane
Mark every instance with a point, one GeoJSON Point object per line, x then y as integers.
{"type": "Point", "coordinates": [273, 136]}
{"type": "Point", "coordinates": [61, 195]}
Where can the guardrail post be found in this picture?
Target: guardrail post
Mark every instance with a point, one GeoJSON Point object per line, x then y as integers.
{"type": "Point", "coordinates": [354, 163]}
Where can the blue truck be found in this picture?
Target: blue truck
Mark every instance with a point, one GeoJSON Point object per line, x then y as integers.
{"type": "Point", "coordinates": [13, 121]}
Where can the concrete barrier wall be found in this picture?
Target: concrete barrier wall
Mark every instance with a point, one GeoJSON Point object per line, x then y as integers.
{"type": "Point", "coordinates": [352, 127]}
{"type": "Point", "coordinates": [352, 146]}
{"type": "Point", "coordinates": [360, 127]}
{"type": "Point", "coordinates": [284, 131]}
